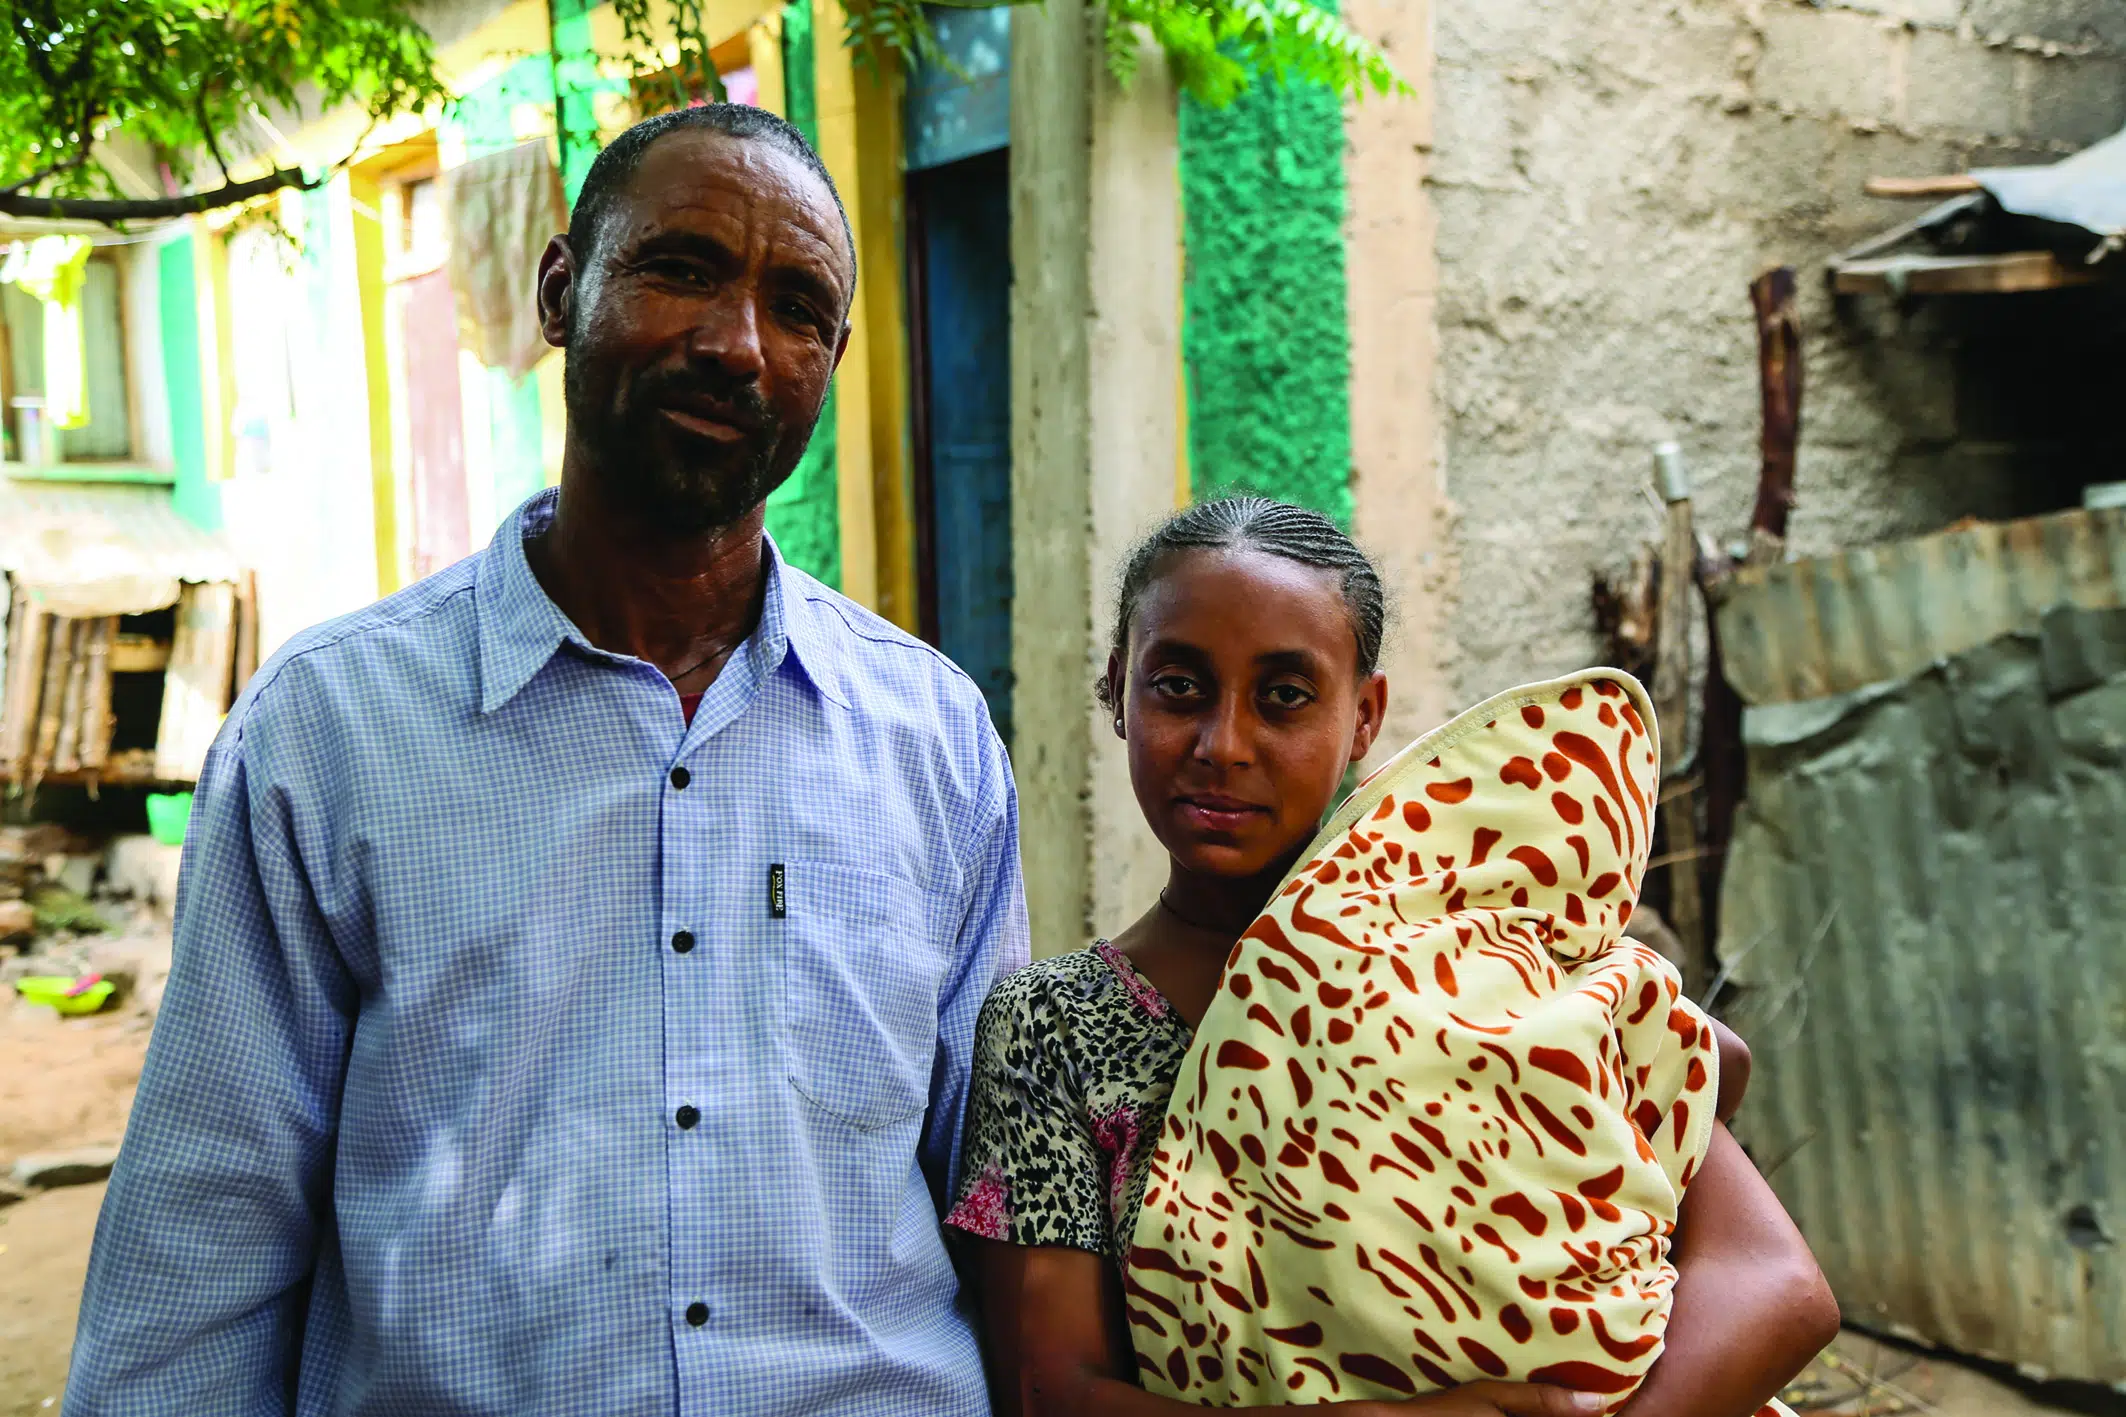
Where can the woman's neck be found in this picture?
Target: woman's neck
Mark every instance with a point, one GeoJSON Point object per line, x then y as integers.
{"type": "Point", "coordinates": [1219, 905]}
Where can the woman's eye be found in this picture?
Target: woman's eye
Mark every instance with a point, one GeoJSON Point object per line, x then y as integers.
{"type": "Point", "coordinates": [1174, 685]}
{"type": "Point", "coordinates": [1288, 696]}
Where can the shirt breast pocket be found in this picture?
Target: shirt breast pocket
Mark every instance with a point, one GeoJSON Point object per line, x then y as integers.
{"type": "Point", "coordinates": [861, 971]}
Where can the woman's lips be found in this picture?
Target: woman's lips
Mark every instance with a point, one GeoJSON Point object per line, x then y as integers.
{"type": "Point", "coordinates": [1216, 813]}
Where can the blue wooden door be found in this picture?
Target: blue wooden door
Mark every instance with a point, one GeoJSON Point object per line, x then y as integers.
{"type": "Point", "coordinates": [964, 230]}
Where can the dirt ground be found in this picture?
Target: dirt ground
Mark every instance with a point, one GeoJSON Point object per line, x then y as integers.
{"type": "Point", "coordinates": [67, 1083]}
{"type": "Point", "coordinates": [64, 1083]}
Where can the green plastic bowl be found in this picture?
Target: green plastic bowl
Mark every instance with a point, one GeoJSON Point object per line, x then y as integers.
{"type": "Point", "coordinates": [167, 814]}
{"type": "Point", "coordinates": [66, 993]}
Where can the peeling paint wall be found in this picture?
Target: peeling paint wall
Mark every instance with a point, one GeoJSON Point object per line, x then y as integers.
{"type": "Point", "coordinates": [1608, 178]}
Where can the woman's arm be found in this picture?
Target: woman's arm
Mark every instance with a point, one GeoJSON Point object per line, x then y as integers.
{"type": "Point", "coordinates": [1751, 1307]}
{"type": "Point", "coordinates": [1058, 1346]}
{"type": "Point", "coordinates": [1734, 1071]}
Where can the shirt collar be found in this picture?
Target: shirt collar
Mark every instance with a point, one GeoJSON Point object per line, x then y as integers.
{"type": "Point", "coordinates": [520, 627]}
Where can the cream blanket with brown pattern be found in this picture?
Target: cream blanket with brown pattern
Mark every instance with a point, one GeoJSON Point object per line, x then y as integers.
{"type": "Point", "coordinates": [1437, 1122]}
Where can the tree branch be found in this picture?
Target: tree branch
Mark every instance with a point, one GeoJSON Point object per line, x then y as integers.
{"type": "Point", "coordinates": [80, 157]}
{"type": "Point", "coordinates": [148, 209]}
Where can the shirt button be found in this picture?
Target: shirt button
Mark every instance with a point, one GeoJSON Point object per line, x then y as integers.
{"type": "Point", "coordinates": [697, 1313]}
{"type": "Point", "coordinates": [680, 778]}
{"type": "Point", "coordinates": [683, 941]}
{"type": "Point", "coordinates": [686, 1117]}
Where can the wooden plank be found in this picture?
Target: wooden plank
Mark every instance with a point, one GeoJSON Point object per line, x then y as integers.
{"type": "Point", "coordinates": [1912, 188]}
{"type": "Point", "coordinates": [26, 632]}
{"type": "Point", "coordinates": [196, 685]}
{"type": "Point", "coordinates": [66, 753]}
{"type": "Point", "coordinates": [58, 660]}
{"type": "Point", "coordinates": [97, 722]}
{"type": "Point", "coordinates": [139, 654]}
{"type": "Point", "coordinates": [1671, 693]}
{"type": "Point", "coordinates": [246, 657]}
{"type": "Point", "coordinates": [2012, 273]}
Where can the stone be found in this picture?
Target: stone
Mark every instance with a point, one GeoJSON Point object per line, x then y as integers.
{"type": "Point", "coordinates": [144, 869]}
{"type": "Point", "coordinates": [75, 873]}
{"type": "Point", "coordinates": [84, 1166]}
{"type": "Point", "coordinates": [12, 1194]}
{"type": "Point", "coordinates": [17, 918]}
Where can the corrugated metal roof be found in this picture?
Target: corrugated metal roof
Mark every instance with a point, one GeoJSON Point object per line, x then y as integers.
{"type": "Point", "coordinates": [2087, 190]}
{"type": "Point", "coordinates": [1925, 908]}
{"type": "Point", "coordinates": [1807, 629]}
{"type": "Point", "coordinates": [103, 548]}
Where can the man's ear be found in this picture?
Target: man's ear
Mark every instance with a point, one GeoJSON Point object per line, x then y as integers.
{"type": "Point", "coordinates": [556, 291]}
{"type": "Point", "coordinates": [841, 346]}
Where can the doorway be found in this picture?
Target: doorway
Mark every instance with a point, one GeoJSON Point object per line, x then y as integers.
{"type": "Point", "coordinates": [959, 218]}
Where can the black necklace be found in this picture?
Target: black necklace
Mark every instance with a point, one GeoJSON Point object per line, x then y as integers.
{"type": "Point", "coordinates": [1169, 907]}
{"type": "Point", "coordinates": [675, 678]}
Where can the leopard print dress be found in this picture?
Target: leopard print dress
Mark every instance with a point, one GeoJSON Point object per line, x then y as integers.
{"type": "Point", "coordinates": [1075, 1058]}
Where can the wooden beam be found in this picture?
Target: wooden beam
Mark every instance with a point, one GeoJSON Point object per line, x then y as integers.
{"type": "Point", "coordinates": [2010, 273]}
{"type": "Point", "coordinates": [1920, 188]}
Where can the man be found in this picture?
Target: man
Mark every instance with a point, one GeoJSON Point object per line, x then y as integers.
{"type": "Point", "coordinates": [578, 953]}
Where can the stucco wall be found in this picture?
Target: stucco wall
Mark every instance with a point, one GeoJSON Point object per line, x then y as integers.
{"type": "Point", "coordinates": [1095, 372]}
{"type": "Point", "coordinates": [1608, 178]}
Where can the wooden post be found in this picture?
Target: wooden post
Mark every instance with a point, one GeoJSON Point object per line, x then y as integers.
{"type": "Point", "coordinates": [195, 688]}
{"type": "Point", "coordinates": [96, 722]}
{"type": "Point", "coordinates": [1779, 376]}
{"type": "Point", "coordinates": [58, 661]}
{"type": "Point", "coordinates": [1671, 691]}
{"type": "Point", "coordinates": [27, 631]}
{"type": "Point", "coordinates": [1723, 766]}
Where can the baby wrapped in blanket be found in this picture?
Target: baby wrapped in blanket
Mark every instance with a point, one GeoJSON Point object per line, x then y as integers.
{"type": "Point", "coordinates": [1437, 1124]}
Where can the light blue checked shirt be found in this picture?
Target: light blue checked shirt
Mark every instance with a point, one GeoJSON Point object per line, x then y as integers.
{"type": "Point", "coordinates": [528, 1051]}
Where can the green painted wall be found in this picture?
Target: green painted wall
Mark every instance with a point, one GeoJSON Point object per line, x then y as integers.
{"type": "Point", "coordinates": [196, 499]}
{"type": "Point", "coordinates": [1265, 331]}
{"type": "Point", "coordinates": [804, 514]}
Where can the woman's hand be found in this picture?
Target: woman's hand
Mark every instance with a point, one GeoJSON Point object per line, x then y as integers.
{"type": "Point", "coordinates": [1486, 1400]}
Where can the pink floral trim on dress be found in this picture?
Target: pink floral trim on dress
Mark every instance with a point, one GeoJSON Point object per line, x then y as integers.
{"type": "Point", "coordinates": [986, 1208]}
{"type": "Point", "coordinates": [1140, 989]}
{"type": "Point", "coordinates": [1116, 1134]}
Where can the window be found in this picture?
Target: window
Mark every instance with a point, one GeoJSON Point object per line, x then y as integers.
{"type": "Point", "coordinates": [108, 435]}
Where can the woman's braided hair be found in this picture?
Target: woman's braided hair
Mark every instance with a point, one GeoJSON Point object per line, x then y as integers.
{"type": "Point", "coordinates": [1246, 523]}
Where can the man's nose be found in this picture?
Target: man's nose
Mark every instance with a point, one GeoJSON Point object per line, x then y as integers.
{"type": "Point", "coordinates": [728, 335]}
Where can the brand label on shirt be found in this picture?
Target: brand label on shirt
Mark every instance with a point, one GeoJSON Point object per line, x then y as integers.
{"type": "Point", "coordinates": [777, 904]}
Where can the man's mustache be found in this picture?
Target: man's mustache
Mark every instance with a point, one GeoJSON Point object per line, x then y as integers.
{"type": "Point", "coordinates": [737, 402]}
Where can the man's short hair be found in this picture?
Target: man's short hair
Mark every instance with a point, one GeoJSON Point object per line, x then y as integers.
{"type": "Point", "coordinates": [616, 164]}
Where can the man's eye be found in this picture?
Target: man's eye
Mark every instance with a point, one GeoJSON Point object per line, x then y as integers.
{"type": "Point", "coordinates": [687, 271]}
{"type": "Point", "coordinates": [797, 312]}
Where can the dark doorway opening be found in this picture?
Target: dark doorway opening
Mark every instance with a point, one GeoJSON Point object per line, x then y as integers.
{"type": "Point", "coordinates": [959, 268]}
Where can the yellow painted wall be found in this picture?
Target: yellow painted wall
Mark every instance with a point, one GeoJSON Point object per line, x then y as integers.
{"type": "Point", "coordinates": [859, 138]}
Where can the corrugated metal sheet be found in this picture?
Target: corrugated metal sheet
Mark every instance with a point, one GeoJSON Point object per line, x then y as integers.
{"type": "Point", "coordinates": [1807, 629]}
{"type": "Point", "coordinates": [88, 549]}
{"type": "Point", "coordinates": [2087, 190]}
{"type": "Point", "coordinates": [1925, 910]}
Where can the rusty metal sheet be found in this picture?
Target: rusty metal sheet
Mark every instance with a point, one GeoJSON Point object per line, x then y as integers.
{"type": "Point", "coordinates": [1924, 911]}
{"type": "Point", "coordinates": [1807, 629]}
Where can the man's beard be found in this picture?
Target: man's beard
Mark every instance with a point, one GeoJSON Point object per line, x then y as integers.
{"type": "Point", "coordinates": [680, 484]}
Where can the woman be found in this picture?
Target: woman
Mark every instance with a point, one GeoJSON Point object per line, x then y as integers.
{"type": "Point", "coordinates": [1243, 678]}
